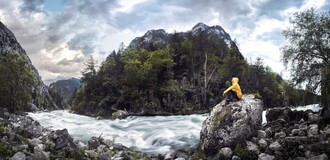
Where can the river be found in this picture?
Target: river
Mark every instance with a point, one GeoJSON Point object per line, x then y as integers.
{"type": "Point", "coordinates": [156, 134]}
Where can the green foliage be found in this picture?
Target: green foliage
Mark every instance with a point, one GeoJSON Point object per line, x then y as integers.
{"type": "Point", "coordinates": [198, 154]}
{"type": "Point", "coordinates": [307, 51]}
{"type": "Point", "coordinates": [4, 149]}
{"type": "Point", "coordinates": [241, 151]}
{"type": "Point", "coordinates": [17, 81]}
{"type": "Point", "coordinates": [188, 74]}
{"type": "Point", "coordinates": [3, 128]}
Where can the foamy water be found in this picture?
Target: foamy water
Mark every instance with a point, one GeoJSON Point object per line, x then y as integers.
{"type": "Point", "coordinates": [156, 134]}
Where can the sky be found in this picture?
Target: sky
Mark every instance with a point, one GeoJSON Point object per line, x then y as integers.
{"type": "Point", "coordinates": [60, 35]}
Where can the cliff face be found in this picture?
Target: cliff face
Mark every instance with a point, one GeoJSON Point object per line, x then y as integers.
{"type": "Point", "coordinates": [41, 97]}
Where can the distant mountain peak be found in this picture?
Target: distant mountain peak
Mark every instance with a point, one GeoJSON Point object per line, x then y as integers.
{"type": "Point", "coordinates": [199, 27]}
{"type": "Point", "coordinates": [159, 38]}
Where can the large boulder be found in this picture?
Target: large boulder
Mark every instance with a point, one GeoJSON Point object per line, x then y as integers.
{"type": "Point", "coordinates": [228, 125]}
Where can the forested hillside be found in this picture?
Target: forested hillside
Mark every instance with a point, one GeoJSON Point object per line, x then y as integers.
{"type": "Point", "coordinates": [179, 73]}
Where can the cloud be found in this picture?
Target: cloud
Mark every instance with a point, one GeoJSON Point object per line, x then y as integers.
{"type": "Point", "coordinates": [59, 41]}
{"type": "Point", "coordinates": [83, 42]}
{"type": "Point", "coordinates": [31, 5]}
{"type": "Point", "coordinates": [67, 62]}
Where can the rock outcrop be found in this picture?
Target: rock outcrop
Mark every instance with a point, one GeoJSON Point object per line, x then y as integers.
{"type": "Point", "coordinates": [41, 97]}
{"type": "Point", "coordinates": [21, 137]}
{"type": "Point", "coordinates": [229, 125]}
{"type": "Point", "coordinates": [228, 134]}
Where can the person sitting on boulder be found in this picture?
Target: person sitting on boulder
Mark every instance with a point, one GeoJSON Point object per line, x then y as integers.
{"type": "Point", "coordinates": [234, 91]}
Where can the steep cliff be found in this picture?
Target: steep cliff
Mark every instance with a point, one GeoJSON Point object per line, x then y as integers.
{"type": "Point", "coordinates": [41, 97]}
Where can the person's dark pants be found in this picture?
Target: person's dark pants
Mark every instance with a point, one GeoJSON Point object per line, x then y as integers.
{"type": "Point", "coordinates": [232, 96]}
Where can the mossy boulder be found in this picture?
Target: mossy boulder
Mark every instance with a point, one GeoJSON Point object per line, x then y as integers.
{"type": "Point", "coordinates": [229, 124]}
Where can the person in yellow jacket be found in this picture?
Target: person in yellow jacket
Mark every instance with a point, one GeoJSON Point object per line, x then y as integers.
{"type": "Point", "coordinates": [234, 91]}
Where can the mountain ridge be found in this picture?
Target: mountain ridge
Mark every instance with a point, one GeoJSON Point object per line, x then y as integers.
{"type": "Point", "coordinates": [159, 37]}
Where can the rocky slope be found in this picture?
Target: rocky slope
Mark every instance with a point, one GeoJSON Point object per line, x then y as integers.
{"type": "Point", "coordinates": [41, 97]}
{"type": "Point", "coordinates": [23, 138]}
{"type": "Point", "coordinates": [234, 131]}
{"type": "Point", "coordinates": [65, 87]}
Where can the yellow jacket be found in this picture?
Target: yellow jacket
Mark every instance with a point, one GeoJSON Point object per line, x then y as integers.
{"type": "Point", "coordinates": [235, 87]}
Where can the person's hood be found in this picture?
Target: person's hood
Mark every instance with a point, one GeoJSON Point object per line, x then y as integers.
{"type": "Point", "coordinates": [234, 80]}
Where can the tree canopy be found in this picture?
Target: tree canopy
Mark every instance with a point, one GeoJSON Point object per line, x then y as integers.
{"type": "Point", "coordinates": [307, 50]}
{"type": "Point", "coordinates": [187, 76]}
{"type": "Point", "coordinates": [17, 81]}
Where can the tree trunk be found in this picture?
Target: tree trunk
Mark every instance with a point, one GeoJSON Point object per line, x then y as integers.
{"type": "Point", "coordinates": [325, 93]}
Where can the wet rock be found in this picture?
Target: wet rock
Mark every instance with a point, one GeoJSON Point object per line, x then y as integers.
{"type": "Point", "coordinates": [182, 154]}
{"type": "Point", "coordinates": [120, 114]}
{"type": "Point", "coordinates": [34, 142]}
{"type": "Point", "coordinates": [226, 152]}
{"type": "Point", "coordinates": [62, 139]}
{"type": "Point", "coordinates": [235, 158]}
{"type": "Point", "coordinates": [264, 156]}
{"type": "Point", "coordinates": [263, 144]}
{"type": "Point", "coordinates": [262, 134]}
{"type": "Point", "coordinates": [308, 154]}
{"type": "Point", "coordinates": [279, 135]}
{"type": "Point", "coordinates": [103, 153]}
{"type": "Point", "coordinates": [319, 146]}
{"type": "Point", "coordinates": [312, 130]}
{"type": "Point", "coordinates": [18, 156]}
{"type": "Point", "coordinates": [269, 132]}
{"type": "Point", "coordinates": [313, 117]}
{"type": "Point", "coordinates": [295, 132]}
{"type": "Point", "coordinates": [275, 146]}
{"type": "Point", "coordinates": [228, 124]}
{"type": "Point", "coordinates": [252, 148]}
{"type": "Point", "coordinates": [94, 142]}
{"type": "Point", "coordinates": [303, 127]}
{"type": "Point", "coordinates": [319, 157]}
{"type": "Point", "coordinates": [40, 154]}
{"type": "Point", "coordinates": [124, 155]}
{"type": "Point", "coordinates": [302, 133]}
{"type": "Point", "coordinates": [170, 155]}
{"type": "Point", "coordinates": [91, 154]}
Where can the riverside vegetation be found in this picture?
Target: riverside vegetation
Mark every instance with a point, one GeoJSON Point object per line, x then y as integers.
{"type": "Point", "coordinates": [180, 73]}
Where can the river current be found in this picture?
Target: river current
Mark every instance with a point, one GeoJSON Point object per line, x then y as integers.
{"type": "Point", "coordinates": [157, 134]}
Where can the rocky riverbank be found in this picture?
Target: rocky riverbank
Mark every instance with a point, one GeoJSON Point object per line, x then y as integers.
{"type": "Point", "coordinates": [22, 138]}
{"type": "Point", "coordinates": [234, 131]}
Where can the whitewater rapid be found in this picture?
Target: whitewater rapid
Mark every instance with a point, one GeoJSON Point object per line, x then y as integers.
{"type": "Point", "coordinates": [156, 134]}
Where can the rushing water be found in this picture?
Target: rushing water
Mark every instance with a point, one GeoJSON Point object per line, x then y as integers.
{"type": "Point", "coordinates": [313, 107]}
{"type": "Point", "coordinates": [156, 134]}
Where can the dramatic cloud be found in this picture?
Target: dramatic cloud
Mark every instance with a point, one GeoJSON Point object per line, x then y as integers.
{"type": "Point", "coordinates": [60, 35]}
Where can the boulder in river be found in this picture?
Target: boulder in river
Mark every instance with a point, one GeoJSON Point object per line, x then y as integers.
{"type": "Point", "coordinates": [228, 125]}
